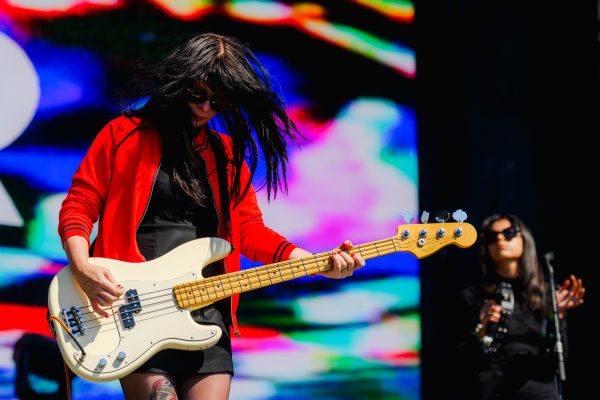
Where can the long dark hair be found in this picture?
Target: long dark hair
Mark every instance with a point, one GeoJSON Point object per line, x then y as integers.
{"type": "Point", "coordinates": [530, 274]}
{"type": "Point", "coordinates": [256, 121]}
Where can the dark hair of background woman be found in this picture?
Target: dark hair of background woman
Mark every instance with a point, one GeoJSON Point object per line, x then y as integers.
{"type": "Point", "coordinates": [530, 271]}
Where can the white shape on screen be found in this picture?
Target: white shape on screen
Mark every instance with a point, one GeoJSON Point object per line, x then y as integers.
{"type": "Point", "coordinates": [19, 97]}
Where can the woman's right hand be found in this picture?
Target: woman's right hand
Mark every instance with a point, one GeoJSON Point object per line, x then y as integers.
{"type": "Point", "coordinates": [489, 312]}
{"type": "Point", "coordinates": [569, 295]}
{"type": "Point", "coordinates": [99, 285]}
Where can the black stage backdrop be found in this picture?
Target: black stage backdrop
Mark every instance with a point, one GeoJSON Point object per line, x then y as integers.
{"type": "Point", "coordinates": [508, 99]}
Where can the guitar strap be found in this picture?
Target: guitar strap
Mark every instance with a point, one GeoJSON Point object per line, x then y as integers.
{"type": "Point", "coordinates": [50, 318]}
{"type": "Point", "coordinates": [504, 296]}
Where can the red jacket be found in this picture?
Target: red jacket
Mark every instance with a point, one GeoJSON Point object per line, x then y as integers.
{"type": "Point", "coordinates": [113, 185]}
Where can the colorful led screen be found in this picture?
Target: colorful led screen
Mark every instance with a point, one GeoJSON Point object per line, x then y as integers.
{"type": "Point", "coordinates": [346, 70]}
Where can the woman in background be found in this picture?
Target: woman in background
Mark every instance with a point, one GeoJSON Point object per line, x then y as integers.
{"type": "Point", "coordinates": [518, 363]}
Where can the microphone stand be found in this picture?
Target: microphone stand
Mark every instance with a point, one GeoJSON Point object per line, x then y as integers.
{"type": "Point", "coordinates": [558, 348]}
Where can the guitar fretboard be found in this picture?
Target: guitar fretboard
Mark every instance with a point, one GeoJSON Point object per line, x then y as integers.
{"type": "Point", "coordinates": [194, 294]}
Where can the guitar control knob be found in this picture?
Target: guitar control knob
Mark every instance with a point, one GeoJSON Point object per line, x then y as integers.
{"type": "Point", "coordinates": [121, 356]}
{"type": "Point", "coordinates": [102, 363]}
{"type": "Point", "coordinates": [458, 232]}
{"type": "Point", "coordinates": [441, 232]}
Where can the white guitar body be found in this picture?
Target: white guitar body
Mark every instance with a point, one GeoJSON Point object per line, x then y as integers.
{"type": "Point", "coordinates": [154, 312]}
{"type": "Point", "coordinates": [144, 321]}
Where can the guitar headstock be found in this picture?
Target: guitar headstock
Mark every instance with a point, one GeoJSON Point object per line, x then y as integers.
{"type": "Point", "coordinates": [425, 239]}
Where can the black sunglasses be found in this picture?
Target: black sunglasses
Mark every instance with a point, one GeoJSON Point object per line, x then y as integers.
{"type": "Point", "coordinates": [198, 98]}
{"type": "Point", "coordinates": [509, 234]}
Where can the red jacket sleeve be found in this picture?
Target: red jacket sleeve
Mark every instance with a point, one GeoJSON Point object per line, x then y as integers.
{"type": "Point", "coordinates": [85, 198]}
{"type": "Point", "coordinates": [258, 242]}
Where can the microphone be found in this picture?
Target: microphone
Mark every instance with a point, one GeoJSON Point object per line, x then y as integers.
{"type": "Point", "coordinates": [558, 345]}
{"type": "Point", "coordinates": [549, 256]}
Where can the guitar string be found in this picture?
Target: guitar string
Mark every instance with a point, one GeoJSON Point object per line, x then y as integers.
{"type": "Point", "coordinates": [222, 293]}
{"type": "Point", "coordinates": [259, 272]}
{"type": "Point", "coordinates": [287, 271]}
{"type": "Point", "coordinates": [368, 249]}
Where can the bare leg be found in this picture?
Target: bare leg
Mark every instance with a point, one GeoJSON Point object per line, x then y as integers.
{"type": "Point", "coordinates": [209, 386]}
{"type": "Point", "coordinates": [148, 387]}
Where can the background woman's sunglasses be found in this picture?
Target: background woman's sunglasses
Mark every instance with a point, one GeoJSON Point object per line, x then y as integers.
{"type": "Point", "coordinates": [509, 234]}
{"type": "Point", "coordinates": [198, 98]}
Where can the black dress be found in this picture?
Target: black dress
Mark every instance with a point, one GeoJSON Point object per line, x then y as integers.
{"type": "Point", "coordinates": [524, 365]}
{"type": "Point", "coordinates": [172, 219]}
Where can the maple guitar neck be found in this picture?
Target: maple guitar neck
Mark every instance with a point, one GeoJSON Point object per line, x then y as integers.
{"type": "Point", "coordinates": [195, 294]}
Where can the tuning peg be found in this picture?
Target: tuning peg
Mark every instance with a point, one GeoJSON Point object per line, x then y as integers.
{"type": "Point", "coordinates": [442, 216]}
{"type": "Point", "coordinates": [407, 217]}
{"type": "Point", "coordinates": [424, 217]}
{"type": "Point", "coordinates": [459, 215]}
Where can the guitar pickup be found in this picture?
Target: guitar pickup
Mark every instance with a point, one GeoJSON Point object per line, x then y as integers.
{"type": "Point", "coordinates": [128, 310]}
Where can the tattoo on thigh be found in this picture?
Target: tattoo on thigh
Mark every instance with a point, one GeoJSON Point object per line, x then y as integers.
{"type": "Point", "coordinates": [163, 389]}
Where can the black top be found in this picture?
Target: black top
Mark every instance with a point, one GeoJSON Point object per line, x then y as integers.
{"type": "Point", "coordinates": [527, 332]}
{"type": "Point", "coordinates": [172, 219]}
{"type": "Point", "coordinates": [524, 365]}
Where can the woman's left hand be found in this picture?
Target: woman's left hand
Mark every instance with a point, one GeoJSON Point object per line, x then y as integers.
{"type": "Point", "coordinates": [344, 263]}
{"type": "Point", "coordinates": [569, 295]}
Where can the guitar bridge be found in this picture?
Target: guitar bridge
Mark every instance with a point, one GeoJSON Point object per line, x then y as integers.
{"type": "Point", "coordinates": [74, 320]}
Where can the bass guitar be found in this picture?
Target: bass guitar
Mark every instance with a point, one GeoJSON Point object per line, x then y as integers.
{"type": "Point", "coordinates": [154, 313]}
